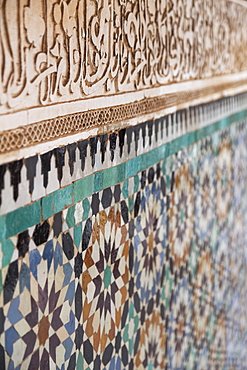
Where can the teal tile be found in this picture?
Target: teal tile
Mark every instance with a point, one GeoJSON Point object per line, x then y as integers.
{"type": "Point", "coordinates": [79, 362]}
{"type": "Point", "coordinates": [143, 165]}
{"type": "Point", "coordinates": [86, 209]}
{"type": "Point", "coordinates": [110, 177]}
{"type": "Point", "coordinates": [132, 166]}
{"type": "Point", "coordinates": [70, 218]}
{"type": "Point", "coordinates": [2, 227]}
{"type": "Point", "coordinates": [125, 190]}
{"type": "Point", "coordinates": [131, 203]}
{"type": "Point", "coordinates": [47, 204]}
{"type": "Point", "coordinates": [136, 183]}
{"type": "Point", "coordinates": [7, 250]}
{"type": "Point", "coordinates": [121, 172]}
{"type": "Point", "coordinates": [152, 158]}
{"type": "Point", "coordinates": [83, 188]}
{"type": "Point", "coordinates": [23, 218]}
{"type": "Point", "coordinates": [63, 198]}
{"type": "Point", "coordinates": [77, 234]}
{"type": "Point", "coordinates": [98, 181]}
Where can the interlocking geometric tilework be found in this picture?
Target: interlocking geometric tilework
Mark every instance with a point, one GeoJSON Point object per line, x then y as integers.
{"type": "Point", "coordinates": [138, 266]}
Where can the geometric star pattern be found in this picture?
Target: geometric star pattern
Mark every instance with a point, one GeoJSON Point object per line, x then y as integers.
{"type": "Point", "coordinates": [130, 277]}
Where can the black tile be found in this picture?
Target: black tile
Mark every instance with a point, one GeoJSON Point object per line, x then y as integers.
{"type": "Point", "coordinates": [2, 320]}
{"type": "Point", "coordinates": [78, 337]}
{"type": "Point", "coordinates": [97, 363]}
{"type": "Point", "coordinates": [125, 355]}
{"type": "Point", "coordinates": [137, 204]}
{"type": "Point", "coordinates": [82, 145]}
{"type": "Point", "coordinates": [45, 166]}
{"type": "Point", "coordinates": [106, 197]}
{"type": "Point", "coordinates": [118, 341]}
{"type": "Point", "coordinates": [10, 281]}
{"type": "Point", "coordinates": [129, 132]}
{"type": "Point", "coordinates": [78, 265]}
{"type": "Point", "coordinates": [68, 246]}
{"type": "Point", "coordinates": [150, 175]}
{"type": "Point", "coordinates": [29, 338]}
{"type": "Point", "coordinates": [15, 176]}
{"type": "Point", "coordinates": [2, 358]}
{"type": "Point", "coordinates": [22, 243]}
{"type": "Point", "coordinates": [86, 234]}
{"type": "Point", "coordinates": [34, 363]}
{"type": "Point", "coordinates": [41, 233]}
{"type": "Point", "coordinates": [31, 164]}
{"type": "Point", "coordinates": [72, 362]}
{"type": "Point", "coordinates": [2, 173]}
{"type": "Point", "coordinates": [103, 141]}
{"type": "Point", "coordinates": [72, 158]}
{"type": "Point", "coordinates": [59, 162]}
{"type": "Point", "coordinates": [95, 203]}
{"type": "Point", "coordinates": [121, 135]}
{"type": "Point", "coordinates": [57, 224]}
{"type": "Point", "coordinates": [124, 211]}
{"type": "Point", "coordinates": [78, 302]}
{"type": "Point", "coordinates": [150, 131]}
{"type": "Point", "coordinates": [113, 143]}
{"type": "Point", "coordinates": [93, 141]}
{"type": "Point", "coordinates": [117, 193]}
{"type": "Point", "coordinates": [44, 362]}
{"type": "Point", "coordinates": [107, 354]}
{"type": "Point", "coordinates": [88, 351]}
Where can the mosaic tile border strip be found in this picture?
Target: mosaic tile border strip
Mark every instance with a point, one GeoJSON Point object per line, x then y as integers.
{"type": "Point", "coordinates": [102, 285]}
{"type": "Point", "coordinates": [58, 127]}
{"type": "Point", "coordinates": [18, 220]}
{"type": "Point", "coordinates": [40, 175]}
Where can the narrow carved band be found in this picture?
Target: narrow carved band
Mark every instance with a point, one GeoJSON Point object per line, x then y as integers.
{"type": "Point", "coordinates": [70, 124]}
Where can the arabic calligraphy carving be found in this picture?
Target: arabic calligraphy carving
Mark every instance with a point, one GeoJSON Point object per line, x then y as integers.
{"type": "Point", "coordinates": [59, 50]}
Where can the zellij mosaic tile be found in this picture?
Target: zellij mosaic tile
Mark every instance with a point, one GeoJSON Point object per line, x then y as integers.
{"type": "Point", "coordinates": [136, 265]}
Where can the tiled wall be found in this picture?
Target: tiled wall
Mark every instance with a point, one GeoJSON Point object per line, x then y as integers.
{"type": "Point", "coordinates": [127, 250]}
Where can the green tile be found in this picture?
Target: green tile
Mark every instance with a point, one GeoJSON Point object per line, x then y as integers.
{"type": "Point", "coordinates": [131, 203]}
{"type": "Point", "coordinates": [125, 190]}
{"type": "Point", "coordinates": [70, 218]}
{"type": "Point", "coordinates": [47, 204]}
{"type": "Point", "coordinates": [63, 198]}
{"type": "Point", "coordinates": [110, 177]}
{"type": "Point", "coordinates": [23, 218]}
{"type": "Point", "coordinates": [136, 183]}
{"type": "Point", "coordinates": [121, 172]}
{"type": "Point", "coordinates": [83, 188]}
{"type": "Point", "coordinates": [7, 249]}
{"type": "Point", "coordinates": [79, 362]}
{"type": "Point", "coordinates": [86, 209]}
{"type": "Point", "coordinates": [2, 227]}
{"type": "Point", "coordinates": [77, 234]}
{"type": "Point", "coordinates": [132, 166]}
{"type": "Point", "coordinates": [98, 181]}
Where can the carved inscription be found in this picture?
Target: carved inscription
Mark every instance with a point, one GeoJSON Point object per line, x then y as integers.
{"type": "Point", "coordinates": [60, 50]}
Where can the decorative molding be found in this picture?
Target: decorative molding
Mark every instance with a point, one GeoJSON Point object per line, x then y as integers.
{"type": "Point", "coordinates": [57, 51]}
{"type": "Point", "coordinates": [59, 127]}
